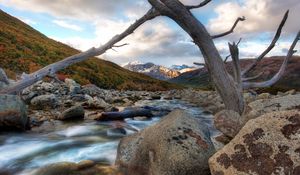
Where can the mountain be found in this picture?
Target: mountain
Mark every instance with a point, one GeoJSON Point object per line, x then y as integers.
{"type": "Point", "coordinates": [24, 49]}
{"type": "Point", "coordinates": [269, 67]}
{"type": "Point", "coordinates": [153, 70]}
{"type": "Point", "coordinates": [183, 68]}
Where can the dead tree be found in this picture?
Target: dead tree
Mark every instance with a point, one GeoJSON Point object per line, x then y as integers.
{"type": "Point", "coordinates": [230, 88]}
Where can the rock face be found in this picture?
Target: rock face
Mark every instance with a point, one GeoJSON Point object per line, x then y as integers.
{"type": "Point", "coordinates": [75, 112]}
{"type": "Point", "coordinates": [179, 144]}
{"type": "Point", "coordinates": [12, 113]}
{"type": "Point", "coordinates": [266, 145]}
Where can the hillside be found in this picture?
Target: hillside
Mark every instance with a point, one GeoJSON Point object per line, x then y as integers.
{"type": "Point", "coordinates": [23, 49]}
{"type": "Point", "coordinates": [199, 78]}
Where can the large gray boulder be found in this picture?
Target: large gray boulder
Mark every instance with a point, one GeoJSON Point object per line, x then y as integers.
{"type": "Point", "coordinates": [269, 144]}
{"type": "Point", "coordinates": [12, 113]}
{"type": "Point", "coordinates": [44, 102]}
{"type": "Point", "coordinates": [179, 144]}
{"type": "Point", "coordinates": [75, 112]}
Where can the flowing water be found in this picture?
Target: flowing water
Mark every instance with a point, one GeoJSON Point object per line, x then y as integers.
{"type": "Point", "coordinates": [89, 140]}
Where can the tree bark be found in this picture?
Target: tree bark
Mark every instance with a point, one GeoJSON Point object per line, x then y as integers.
{"type": "Point", "coordinates": [225, 85]}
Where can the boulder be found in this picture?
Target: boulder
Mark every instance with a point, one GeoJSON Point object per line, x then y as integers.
{"type": "Point", "coordinates": [91, 90]}
{"type": "Point", "coordinates": [3, 85]}
{"type": "Point", "coordinates": [96, 103]}
{"type": "Point", "coordinates": [75, 112]}
{"type": "Point", "coordinates": [74, 88]}
{"type": "Point", "coordinates": [85, 167]}
{"type": "Point", "coordinates": [13, 113]}
{"type": "Point", "coordinates": [269, 144]}
{"type": "Point", "coordinates": [260, 107]}
{"type": "Point", "coordinates": [264, 96]}
{"type": "Point", "coordinates": [44, 102]}
{"type": "Point", "coordinates": [48, 87]}
{"type": "Point", "coordinates": [178, 144]}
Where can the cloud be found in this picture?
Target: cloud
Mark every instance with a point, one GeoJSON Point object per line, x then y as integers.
{"type": "Point", "coordinates": [80, 9]}
{"type": "Point", "coordinates": [261, 16]}
{"type": "Point", "coordinates": [67, 25]}
{"type": "Point", "coordinates": [160, 40]}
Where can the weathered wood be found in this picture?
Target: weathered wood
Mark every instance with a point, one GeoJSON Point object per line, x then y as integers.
{"type": "Point", "coordinates": [204, 3]}
{"type": "Point", "coordinates": [234, 51]}
{"type": "Point", "coordinates": [231, 30]}
{"type": "Point", "coordinates": [279, 74]}
{"type": "Point", "coordinates": [224, 83]}
{"type": "Point", "coordinates": [253, 78]}
{"type": "Point", "coordinates": [128, 113]}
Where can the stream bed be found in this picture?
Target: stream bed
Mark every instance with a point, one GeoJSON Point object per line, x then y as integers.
{"type": "Point", "coordinates": [20, 153]}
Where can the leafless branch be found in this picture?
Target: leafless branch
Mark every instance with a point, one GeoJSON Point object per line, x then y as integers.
{"type": "Point", "coordinates": [253, 78]}
{"type": "Point", "coordinates": [53, 68]}
{"type": "Point", "coordinates": [270, 47]}
{"type": "Point", "coordinates": [232, 28]}
{"type": "Point", "coordinates": [226, 58]}
{"type": "Point", "coordinates": [121, 45]}
{"type": "Point", "coordinates": [279, 74]}
{"type": "Point", "coordinates": [204, 3]}
{"type": "Point", "coordinates": [199, 64]}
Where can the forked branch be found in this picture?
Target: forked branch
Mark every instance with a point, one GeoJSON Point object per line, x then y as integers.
{"type": "Point", "coordinates": [271, 46]}
{"type": "Point", "coordinates": [279, 74]}
{"type": "Point", "coordinates": [231, 30]}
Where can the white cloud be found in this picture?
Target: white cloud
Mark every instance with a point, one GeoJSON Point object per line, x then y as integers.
{"type": "Point", "coordinates": [157, 40]}
{"type": "Point", "coordinates": [261, 16]}
{"type": "Point", "coordinates": [67, 25]}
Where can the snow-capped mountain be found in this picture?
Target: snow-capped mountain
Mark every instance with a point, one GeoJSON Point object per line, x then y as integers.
{"type": "Point", "coordinates": [183, 68]}
{"type": "Point", "coordinates": [153, 70]}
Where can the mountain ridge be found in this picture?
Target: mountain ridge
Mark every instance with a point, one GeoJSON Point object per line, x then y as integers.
{"type": "Point", "coordinates": [199, 78]}
{"type": "Point", "coordinates": [157, 71]}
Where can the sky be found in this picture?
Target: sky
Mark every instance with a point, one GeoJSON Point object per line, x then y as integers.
{"type": "Point", "coordinates": [83, 24]}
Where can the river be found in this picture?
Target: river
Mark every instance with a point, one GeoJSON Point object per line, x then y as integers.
{"type": "Point", "coordinates": [20, 153]}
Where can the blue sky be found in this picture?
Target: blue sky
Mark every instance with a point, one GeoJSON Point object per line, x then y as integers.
{"type": "Point", "coordinates": [88, 23]}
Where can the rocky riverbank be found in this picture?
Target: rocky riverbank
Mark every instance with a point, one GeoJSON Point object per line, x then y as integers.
{"type": "Point", "coordinates": [265, 142]}
{"type": "Point", "coordinates": [179, 143]}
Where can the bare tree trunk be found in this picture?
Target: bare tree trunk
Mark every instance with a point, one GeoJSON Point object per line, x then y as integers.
{"type": "Point", "coordinates": [225, 85]}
